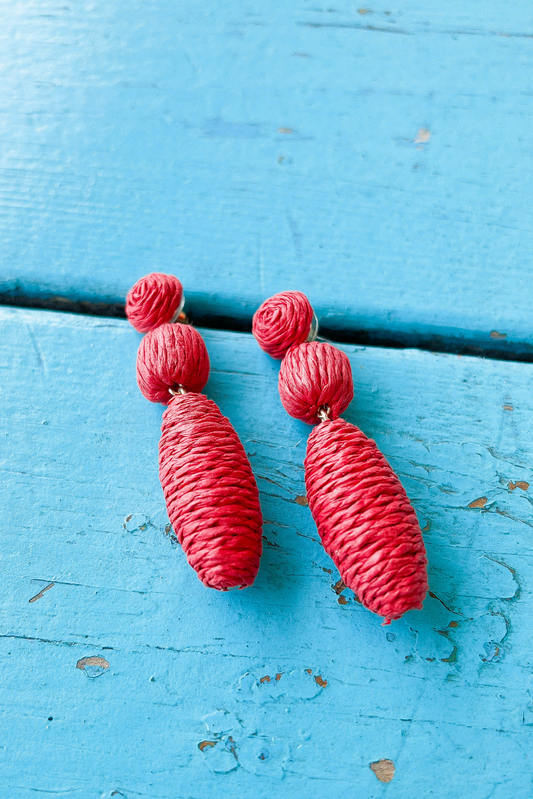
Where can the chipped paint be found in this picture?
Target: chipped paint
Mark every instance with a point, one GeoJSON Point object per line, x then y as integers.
{"type": "Point", "coordinates": [478, 503]}
{"type": "Point", "coordinates": [204, 744]}
{"type": "Point", "coordinates": [493, 653]}
{"type": "Point", "coordinates": [453, 657]}
{"type": "Point", "coordinates": [41, 593]}
{"type": "Point", "coordinates": [339, 586]}
{"type": "Point", "coordinates": [423, 136]}
{"type": "Point", "coordinates": [234, 744]}
{"type": "Point", "coordinates": [383, 769]}
{"type": "Point", "coordinates": [93, 666]}
{"type": "Point", "coordinates": [295, 685]}
{"type": "Point", "coordinates": [519, 484]}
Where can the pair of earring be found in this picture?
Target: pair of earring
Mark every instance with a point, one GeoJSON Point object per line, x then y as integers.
{"type": "Point", "coordinates": [363, 515]}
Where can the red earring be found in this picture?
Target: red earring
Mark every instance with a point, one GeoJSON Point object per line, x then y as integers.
{"type": "Point", "coordinates": [363, 515]}
{"type": "Point", "coordinates": [210, 491]}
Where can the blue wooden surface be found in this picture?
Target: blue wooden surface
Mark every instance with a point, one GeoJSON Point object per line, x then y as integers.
{"type": "Point", "coordinates": [445, 693]}
{"type": "Point", "coordinates": [377, 158]}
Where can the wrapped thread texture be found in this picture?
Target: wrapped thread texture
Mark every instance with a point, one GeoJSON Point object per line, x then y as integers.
{"type": "Point", "coordinates": [171, 356]}
{"type": "Point", "coordinates": [210, 491]}
{"type": "Point", "coordinates": [363, 515]}
{"type": "Point", "coordinates": [282, 321]}
{"type": "Point", "coordinates": [153, 300]}
{"type": "Point", "coordinates": [365, 519]}
{"type": "Point", "coordinates": [313, 376]}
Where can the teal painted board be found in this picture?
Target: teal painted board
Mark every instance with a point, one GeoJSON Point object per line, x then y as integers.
{"type": "Point", "coordinates": [377, 158]}
{"type": "Point", "coordinates": [121, 675]}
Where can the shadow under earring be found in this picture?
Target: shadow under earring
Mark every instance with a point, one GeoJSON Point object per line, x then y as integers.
{"type": "Point", "coordinates": [363, 515]}
{"type": "Point", "coordinates": [210, 491]}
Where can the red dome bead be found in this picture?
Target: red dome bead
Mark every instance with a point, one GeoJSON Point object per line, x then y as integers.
{"type": "Point", "coordinates": [313, 376]}
{"type": "Point", "coordinates": [153, 300]}
{"type": "Point", "coordinates": [171, 356]}
{"type": "Point", "coordinates": [282, 321]}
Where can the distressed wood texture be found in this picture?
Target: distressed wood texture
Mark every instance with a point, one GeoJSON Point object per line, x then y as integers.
{"type": "Point", "coordinates": [123, 676]}
{"type": "Point", "coordinates": [377, 158]}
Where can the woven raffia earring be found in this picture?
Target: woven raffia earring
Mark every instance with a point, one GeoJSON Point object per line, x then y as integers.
{"type": "Point", "coordinates": [363, 515]}
{"type": "Point", "coordinates": [210, 491]}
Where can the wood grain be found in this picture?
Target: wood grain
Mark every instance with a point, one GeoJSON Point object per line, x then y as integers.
{"type": "Point", "coordinates": [129, 678]}
{"type": "Point", "coordinates": [377, 158]}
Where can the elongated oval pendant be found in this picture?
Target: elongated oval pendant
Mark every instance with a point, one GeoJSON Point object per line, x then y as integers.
{"type": "Point", "coordinates": [365, 520]}
{"type": "Point", "coordinates": [211, 495]}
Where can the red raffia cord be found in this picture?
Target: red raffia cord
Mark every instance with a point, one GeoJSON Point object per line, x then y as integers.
{"type": "Point", "coordinates": [312, 376]}
{"type": "Point", "coordinates": [211, 495]}
{"type": "Point", "coordinates": [363, 515]}
{"type": "Point", "coordinates": [153, 300]}
{"type": "Point", "coordinates": [365, 519]}
{"type": "Point", "coordinates": [210, 491]}
{"type": "Point", "coordinates": [282, 322]}
{"type": "Point", "coordinates": [171, 356]}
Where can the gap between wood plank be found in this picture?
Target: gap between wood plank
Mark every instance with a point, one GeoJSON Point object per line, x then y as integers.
{"type": "Point", "coordinates": [496, 349]}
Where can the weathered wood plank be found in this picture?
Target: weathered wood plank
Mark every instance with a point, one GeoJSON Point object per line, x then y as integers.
{"type": "Point", "coordinates": [377, 159]}
{"type": "Point", "coordinates": [444, 693]}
